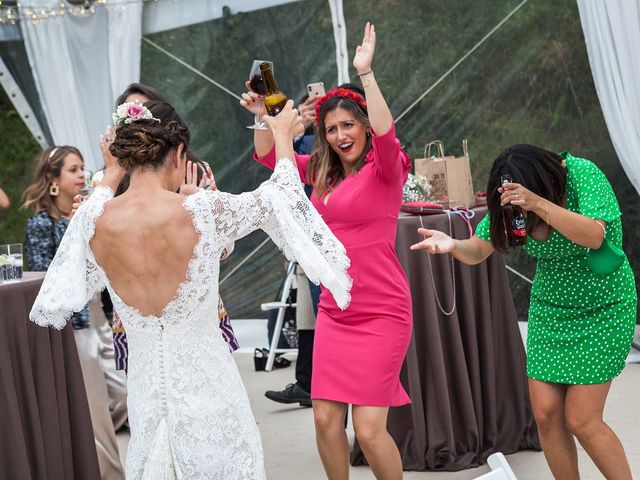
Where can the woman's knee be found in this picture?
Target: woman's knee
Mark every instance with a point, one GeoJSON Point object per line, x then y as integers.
{"type": "Point", "coordinates": [548, 416]}
{"type": "Point", "coordinates": [327, 419]}
{"type": "Point", "coordinates": [368, 432]}
{"type": "Point", "coordinates": [582, 424]}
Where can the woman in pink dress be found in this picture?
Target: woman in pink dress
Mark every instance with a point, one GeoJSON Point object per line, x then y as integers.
{"type": "Point", "coordinates": [357, 169]}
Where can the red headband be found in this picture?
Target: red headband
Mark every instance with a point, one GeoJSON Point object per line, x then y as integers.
{"type": "Point", "coordinates": [342, 93]}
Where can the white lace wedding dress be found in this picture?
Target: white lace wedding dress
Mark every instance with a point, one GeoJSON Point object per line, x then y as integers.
{"type": "Point", "coordinates": [189, 413]}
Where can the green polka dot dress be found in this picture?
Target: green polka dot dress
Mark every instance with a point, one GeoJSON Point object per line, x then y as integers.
{"type": "Point", "coordinates": [581, 323]}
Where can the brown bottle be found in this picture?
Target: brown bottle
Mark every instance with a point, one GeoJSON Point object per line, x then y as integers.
{"type": "Point", "coordinates": [515, 223]}
{"type": "Point", "coordinates": [274, 99]}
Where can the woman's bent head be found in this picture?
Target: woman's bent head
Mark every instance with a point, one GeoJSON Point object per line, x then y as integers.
{"type": "Point", "coordinates": [535, 168]}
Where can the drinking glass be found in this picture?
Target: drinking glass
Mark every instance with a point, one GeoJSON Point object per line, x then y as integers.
{"type": "Point", "coordinates": [11, 262]}
{"type": "Point", "coordinates": [257, 85]}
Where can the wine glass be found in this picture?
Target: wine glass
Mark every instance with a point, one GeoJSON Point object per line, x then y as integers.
{"type": "Point", "coordinates": [257, 85]}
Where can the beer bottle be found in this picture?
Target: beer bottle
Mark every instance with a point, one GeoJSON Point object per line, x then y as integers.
{"type": "Point", "coordinates": [515, 223]}
{"type": "Point", "coordinates": [274, 99]}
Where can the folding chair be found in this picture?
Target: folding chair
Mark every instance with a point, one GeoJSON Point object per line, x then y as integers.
{"type": "Point", "coordinates": [500, 469]}
{"type": "Point", "coordinates": [281, 306]}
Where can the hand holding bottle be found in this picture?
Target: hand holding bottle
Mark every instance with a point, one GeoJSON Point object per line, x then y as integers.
{"type": "Point", "coordinates": [287, 124]}
{"type": "Point", "coordinates": [516, 194]}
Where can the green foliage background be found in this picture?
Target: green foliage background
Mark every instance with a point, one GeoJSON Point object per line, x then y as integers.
{"type": "Point", "coordinates": [530, 82]}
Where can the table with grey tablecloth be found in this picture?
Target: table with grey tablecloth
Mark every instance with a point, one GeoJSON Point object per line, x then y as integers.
{"type": "Point", "coordinates": [45, 427]}
{"type": "Point", "coordinates": [464, 372]}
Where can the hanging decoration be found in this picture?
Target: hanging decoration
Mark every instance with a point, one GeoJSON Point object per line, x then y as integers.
{"type": "Point", "coordinates": [12, 13]}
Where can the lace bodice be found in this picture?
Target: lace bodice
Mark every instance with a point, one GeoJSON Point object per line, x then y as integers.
{"type": "Point", "coordinates": [188, 409]}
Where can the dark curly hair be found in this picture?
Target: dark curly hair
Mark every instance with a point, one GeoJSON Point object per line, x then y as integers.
{"type": "Point", "coordinates": [146, 143]}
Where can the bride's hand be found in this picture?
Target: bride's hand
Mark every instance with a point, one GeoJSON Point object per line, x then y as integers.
{"type": "Point", "coordinates": [287, 123]}
{"type": "Point", "coordinates": [434, 241]}
{"type": "Point", "coordinates": [190, 184]}
{"type": "Point", "coordinates": [113, 172]}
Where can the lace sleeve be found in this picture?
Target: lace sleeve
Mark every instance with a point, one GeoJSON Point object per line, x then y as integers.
{"type": "Point", "coordinates": [280, 208]}
{"type": "Point", "coordinates": [73, 277]}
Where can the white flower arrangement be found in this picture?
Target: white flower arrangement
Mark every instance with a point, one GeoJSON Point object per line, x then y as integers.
{"type": "Point", "coordinates": [130, 112]}
{"type": "Point", "coordinates": [416, 189]}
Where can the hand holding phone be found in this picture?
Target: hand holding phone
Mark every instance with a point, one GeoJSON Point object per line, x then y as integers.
{"type": "Point", "coordinates": [316, 90]}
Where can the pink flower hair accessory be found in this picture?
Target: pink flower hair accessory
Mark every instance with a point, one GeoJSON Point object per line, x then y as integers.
{"type": "Point", "coordinates": [342, 93]}
{"type": "Point", "coordinates": [131, 112]}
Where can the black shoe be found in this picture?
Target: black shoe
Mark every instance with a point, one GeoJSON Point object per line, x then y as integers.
{"type": "Point", "coordinates": [292, 394]}
{"type": "Point", "coordinates": [306, 403]}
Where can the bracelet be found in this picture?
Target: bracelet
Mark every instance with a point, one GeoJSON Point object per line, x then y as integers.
{"type": "Point", "coordinates": [362, 78]}
{"type": "Point", "coordinates": [546, 213]}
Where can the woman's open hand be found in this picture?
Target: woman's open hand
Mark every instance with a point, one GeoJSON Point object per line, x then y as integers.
{"type": "Point", "coordinates": [190, 184]}
{"type": "Point", "coordinates": [434, 241]}
{"type": "Point", "coordinates": [113, 172]}
{"type": "Point", "coordinates": [364, 52]}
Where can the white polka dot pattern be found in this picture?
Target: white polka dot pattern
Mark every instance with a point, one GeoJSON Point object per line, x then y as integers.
{"type": "Point", "coordinates": [580, 323]}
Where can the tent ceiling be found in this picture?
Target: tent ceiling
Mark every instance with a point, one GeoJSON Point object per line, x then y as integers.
{"type": "Point", "coordinates": [161, 16]}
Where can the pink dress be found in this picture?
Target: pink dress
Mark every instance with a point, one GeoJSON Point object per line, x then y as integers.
{"type": "Point", "coordinates": [358, 353]}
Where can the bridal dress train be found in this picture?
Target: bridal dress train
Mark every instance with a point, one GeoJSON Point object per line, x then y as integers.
{"type": "Point", "coordinates": [189, 412]}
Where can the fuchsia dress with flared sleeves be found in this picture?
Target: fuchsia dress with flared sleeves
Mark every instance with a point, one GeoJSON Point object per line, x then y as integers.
{"type": "Point", "coordinates": [358, 352]}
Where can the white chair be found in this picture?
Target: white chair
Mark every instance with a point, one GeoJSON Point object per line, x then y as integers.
{"type": "Point", "coordinates": [500, 469]}
{"type": "Point", "coordinates": [281, 306]}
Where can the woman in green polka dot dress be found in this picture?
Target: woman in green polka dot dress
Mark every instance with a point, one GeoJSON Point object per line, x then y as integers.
{"type": "Point", "coordinates": [581, 323]}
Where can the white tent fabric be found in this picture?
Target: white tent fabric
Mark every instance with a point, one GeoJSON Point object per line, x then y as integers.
{"type": "Point", "coordinates": [340, 35]}
{"type": "Point", "coordinates": [612, 35]}
{"type": "Point", "coordinates": [161, 16]}
{"type": "Point", "coordinates": [76, 60]}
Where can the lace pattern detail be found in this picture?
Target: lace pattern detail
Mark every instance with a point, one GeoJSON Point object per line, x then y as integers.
{"type": "Point", "coordinates": [280, 207]}
{"type": "Point", "coordinates": [189, 412]}
{"type": "Point", "coordinates": [73, 277]}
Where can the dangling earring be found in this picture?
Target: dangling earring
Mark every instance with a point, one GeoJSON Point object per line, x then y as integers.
{"type": "Point", "coordinates": [368, 133]}
{"type": "Point", "coordinates": [54, 190]}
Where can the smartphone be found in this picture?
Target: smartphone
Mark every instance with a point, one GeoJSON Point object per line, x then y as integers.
{"type": "Point", "coordinates": [316, 90]}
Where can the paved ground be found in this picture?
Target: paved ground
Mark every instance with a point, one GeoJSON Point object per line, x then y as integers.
{"type": "Point", "coordinates": [289, 441]}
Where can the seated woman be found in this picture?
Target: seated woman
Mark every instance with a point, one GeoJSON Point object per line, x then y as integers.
{"type": "Point", "coordinates": [188, 410]}
{"type": "Point", "coordinates": [581, 317]}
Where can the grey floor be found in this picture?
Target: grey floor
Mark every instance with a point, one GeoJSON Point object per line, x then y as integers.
{"type": "Point", "coordinates": [289, 441]}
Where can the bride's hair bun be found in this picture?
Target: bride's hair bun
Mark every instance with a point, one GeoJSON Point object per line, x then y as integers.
{"type": "Point", "coordinates": [145, 143]}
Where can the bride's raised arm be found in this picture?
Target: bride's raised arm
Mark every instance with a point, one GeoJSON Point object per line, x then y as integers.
{"type": "Point", "coordinates": [280, 207]}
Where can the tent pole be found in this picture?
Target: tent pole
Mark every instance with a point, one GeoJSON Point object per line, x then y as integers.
{"type": "Point", "coordinates": [340, 36]}
{"type": "Point", "coordinates": [21, 105]}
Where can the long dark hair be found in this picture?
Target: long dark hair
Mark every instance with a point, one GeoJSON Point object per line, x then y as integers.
{"type": "Point", "coordinates": [536, 169]}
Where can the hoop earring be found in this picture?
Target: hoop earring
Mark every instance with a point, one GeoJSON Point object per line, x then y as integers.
{"type": "Point", "coordinates": [54, 190]}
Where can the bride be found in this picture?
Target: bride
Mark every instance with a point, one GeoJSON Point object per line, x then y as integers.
{"type": "Point", "coordinates": [158, 255]}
